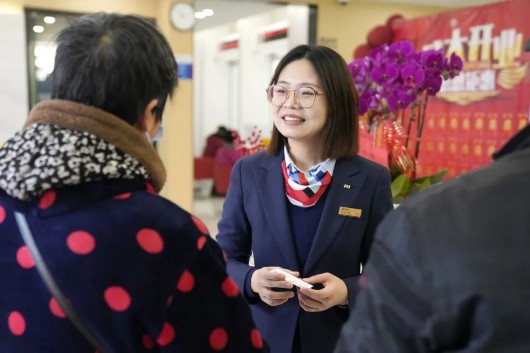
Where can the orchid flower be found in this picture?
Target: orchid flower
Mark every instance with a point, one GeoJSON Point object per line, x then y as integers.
{"type": "Point", "coordinates": [394, 76]}
{"type": "Point", "coordinates": [385, 73]}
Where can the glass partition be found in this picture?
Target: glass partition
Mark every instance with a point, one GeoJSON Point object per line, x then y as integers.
{"type": "Point", "coordinates": [42, 27]}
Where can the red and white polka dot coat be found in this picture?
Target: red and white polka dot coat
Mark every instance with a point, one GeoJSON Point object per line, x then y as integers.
{"type": "Point", "coordinates": [143, 274]}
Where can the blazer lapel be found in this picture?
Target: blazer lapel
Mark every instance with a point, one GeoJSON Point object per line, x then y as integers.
{"type": "Point", "coordinates": [345, 185]}
{"type": "Point", "coordinates": [272, 193]}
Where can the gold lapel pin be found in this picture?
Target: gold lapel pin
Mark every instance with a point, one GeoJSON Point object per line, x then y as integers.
{"type": "Point", "coordinates": [347, 186]}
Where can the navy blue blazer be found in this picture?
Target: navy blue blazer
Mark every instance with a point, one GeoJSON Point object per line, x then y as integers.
{"type": "Point", "coordinates": [255, 219]}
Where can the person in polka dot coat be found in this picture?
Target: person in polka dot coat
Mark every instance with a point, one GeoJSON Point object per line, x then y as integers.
{"type": "Point", "coordinates": [142, 273]}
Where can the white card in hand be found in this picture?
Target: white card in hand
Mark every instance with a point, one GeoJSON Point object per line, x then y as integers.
{"type": "Point", "coordinates": [294, 280]}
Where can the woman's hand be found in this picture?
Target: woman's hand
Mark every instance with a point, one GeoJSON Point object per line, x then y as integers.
{"type": "Point", "coordinates": [264, 279]}
{"type": "Point", "coordinates": [334, 293]}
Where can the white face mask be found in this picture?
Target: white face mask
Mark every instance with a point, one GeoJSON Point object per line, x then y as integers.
{"type": "Point", "coordinates": [158, 135]}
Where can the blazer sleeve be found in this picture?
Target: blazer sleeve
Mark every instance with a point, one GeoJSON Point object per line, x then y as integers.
{"type": "Point", "coordinates": [380, 205]}
{"type": "Point", "coordinates": [234, 230]}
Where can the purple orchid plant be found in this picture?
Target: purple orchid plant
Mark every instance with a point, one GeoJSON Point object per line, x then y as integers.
{"type": "Point", "coordinates": [395, 76]}
{"type": "Point", "coordinates": [393, 80]}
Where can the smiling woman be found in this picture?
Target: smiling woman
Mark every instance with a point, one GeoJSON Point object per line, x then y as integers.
{"type": "Point", "coordinates": [308, 205]}
{"type": "Point", "coordinates": [300, 117]}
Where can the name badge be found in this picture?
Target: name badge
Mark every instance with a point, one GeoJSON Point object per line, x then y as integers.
{"type": "Point", "coordinates": [350, 212]}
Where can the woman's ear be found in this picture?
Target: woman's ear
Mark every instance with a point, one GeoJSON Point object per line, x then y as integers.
{"type": "Point", "coordinates": [147, 121]}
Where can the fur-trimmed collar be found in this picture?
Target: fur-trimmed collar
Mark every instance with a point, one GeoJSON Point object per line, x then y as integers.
{"type": "Point", "coordinates": [66, 143]}
{"type": "Point", "coordinates": [107, 126]}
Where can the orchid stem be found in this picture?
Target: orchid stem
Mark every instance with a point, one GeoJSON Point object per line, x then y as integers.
{"type": "Point", "coordinates": [409, 126]}
{"type": "Point", "coordinates": [421, 120]}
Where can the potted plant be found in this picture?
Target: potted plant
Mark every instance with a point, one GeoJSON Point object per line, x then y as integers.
{"type": "Point", "coordinates": [394, 84]}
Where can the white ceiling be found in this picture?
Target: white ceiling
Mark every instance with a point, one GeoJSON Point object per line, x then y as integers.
{"type": "Point", "coordinates": [231, 10]}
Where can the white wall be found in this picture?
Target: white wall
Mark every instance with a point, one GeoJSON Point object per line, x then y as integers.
{"type": "Point", "coordinates": [256, 63]}
{"type": "Point", "coordinates": [13, 73]}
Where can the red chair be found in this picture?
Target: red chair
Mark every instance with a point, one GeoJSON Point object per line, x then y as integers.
{"type": "Point", "coordinates": [203, 168]}
{"type": "Point", "coordinates": [203, 175]}
{"type": "Point", "coordinates": [222, 178]}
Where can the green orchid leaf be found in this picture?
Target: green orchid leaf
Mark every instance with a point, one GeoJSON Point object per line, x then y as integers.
{"type": "Point", "coordinates": [419, 186]}
{"type": "Point", "coordinates": [435, 178]}
{"type": "Point", "coordinates": [400, 186]}
{"type": "Point", "coordinates": [397, 200]}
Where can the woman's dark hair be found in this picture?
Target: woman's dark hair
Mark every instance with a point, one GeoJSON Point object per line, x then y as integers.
{"type": "Point", "coordinates": [341, 131]}
{"type": "Point", "coordinates": [117, 63]}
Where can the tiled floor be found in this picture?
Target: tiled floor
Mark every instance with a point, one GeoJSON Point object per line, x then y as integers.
{"type": "Point", "coordinates": [209, 211]}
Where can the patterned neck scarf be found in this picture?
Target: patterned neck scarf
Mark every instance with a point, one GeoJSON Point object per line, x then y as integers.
{"type": "Point", "coordinates": [303, 189]}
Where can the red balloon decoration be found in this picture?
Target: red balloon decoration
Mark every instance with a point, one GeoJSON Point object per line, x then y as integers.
{"type": "Point", "coordinates": [394, 19]}
{"type": "Point", "coordinates": [361, 51]}
{"type": "Point", "coordinates": [379, 35]}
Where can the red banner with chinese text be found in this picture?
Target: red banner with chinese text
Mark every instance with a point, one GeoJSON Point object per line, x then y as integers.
{"type": "Point", "coordinates": [370, 149]}
{"type": "Point", "coordinates": [478, 111]}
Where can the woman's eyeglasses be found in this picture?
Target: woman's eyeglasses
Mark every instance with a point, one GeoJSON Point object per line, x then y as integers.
{"type": "Point", "coordinates": [304, 96]}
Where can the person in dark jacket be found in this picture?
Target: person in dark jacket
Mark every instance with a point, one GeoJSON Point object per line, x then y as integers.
{"type": "Point", "coordinates": [141, 273]}
{"type": "Point", "coordinates": [449, 269]}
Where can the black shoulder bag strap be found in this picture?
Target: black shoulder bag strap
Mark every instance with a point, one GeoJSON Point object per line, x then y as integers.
{"type": "Point", "coordinates": [52, 286]}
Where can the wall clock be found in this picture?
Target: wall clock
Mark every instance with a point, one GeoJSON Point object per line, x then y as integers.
{"type": "Point", "coordinates": [182, 16]}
